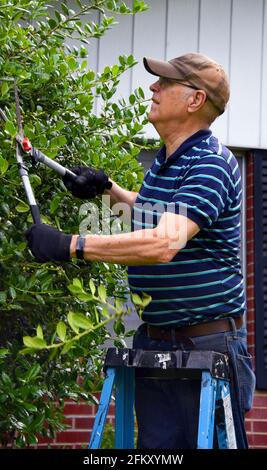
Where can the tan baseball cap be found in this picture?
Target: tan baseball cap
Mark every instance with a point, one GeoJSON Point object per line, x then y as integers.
{"type": "Point", "coordinates": [196, 70]}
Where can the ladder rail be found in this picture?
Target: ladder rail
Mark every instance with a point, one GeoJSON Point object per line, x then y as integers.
{"type": "Point", "coordinates": [206, 411]}
{"type": "Point", "coordinates": [100, 419]}
{"type": "Point", "coordinates": [225, 422]}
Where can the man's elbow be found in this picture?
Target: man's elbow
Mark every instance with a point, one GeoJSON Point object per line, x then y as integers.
{"type": "Point", "coordinates": [167, 245]}
{"type": "Point", "coordinates": [166, 256]}
{"type": "Point", "coordinates": [167, 250]}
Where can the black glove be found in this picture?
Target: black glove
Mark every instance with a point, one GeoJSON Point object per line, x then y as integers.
{"type": "Point", "coordinates": [48, 244]}
{"type": "Point", "coordinates": [89, 182]}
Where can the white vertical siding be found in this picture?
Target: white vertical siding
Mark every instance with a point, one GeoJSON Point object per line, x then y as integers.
{"type": "Point", "coordinates": [182, 27]}
{"type": "Point", "coordinates": [233, 32]}
{"type": "Point", "coordinates": [149, 41]}
{"type": "Point", "coordinates": [214, 41]}
{"type": "Point", "coordinates": [245, 73]}
{"type": "Point", "coordinates": [263, 120]}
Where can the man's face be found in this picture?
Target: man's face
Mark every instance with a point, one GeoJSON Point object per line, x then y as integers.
{"type": "Point", "coordinates": [169, 101]}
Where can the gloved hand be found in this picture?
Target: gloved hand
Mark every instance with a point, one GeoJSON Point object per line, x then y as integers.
{"type": "Point", "coordinates": [48, 244]}
{"type": "Point", "coordinates": [89, 184]}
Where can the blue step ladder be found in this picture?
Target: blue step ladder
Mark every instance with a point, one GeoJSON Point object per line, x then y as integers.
{"type": "Point", "coordinates": [123, 365]}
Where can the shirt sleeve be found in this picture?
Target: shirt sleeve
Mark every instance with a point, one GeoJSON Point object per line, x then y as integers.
{"type": "Point", "coordinates": [204, 192]}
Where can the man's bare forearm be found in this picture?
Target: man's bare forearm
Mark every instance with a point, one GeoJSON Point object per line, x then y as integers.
{"type": "Point", "coordinates": [119, 194]}
{"type": "Point", "coordinates": [134, 248]}
{"type": "Point", "coordinates": [140, 247]}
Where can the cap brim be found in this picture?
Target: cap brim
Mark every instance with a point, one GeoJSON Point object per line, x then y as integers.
{"type": "Point", "coordinates": [161, 68]}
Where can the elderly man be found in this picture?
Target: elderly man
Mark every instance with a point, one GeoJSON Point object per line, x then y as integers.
{"type": "Point", "coordinates": [186, 258]}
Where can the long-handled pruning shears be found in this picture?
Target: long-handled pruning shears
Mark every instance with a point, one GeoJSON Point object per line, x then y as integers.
{"type": "Point", "coordinates": [24, 147]}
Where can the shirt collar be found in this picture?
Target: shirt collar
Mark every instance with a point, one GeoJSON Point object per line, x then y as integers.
{"type": "Point", "coordinates": [184, 147]}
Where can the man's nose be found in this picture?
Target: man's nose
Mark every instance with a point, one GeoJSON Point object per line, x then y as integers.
{"type": "Point", "coordinates": [154, 86]}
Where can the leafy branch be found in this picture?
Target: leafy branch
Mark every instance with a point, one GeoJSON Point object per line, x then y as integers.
{"type": "Point", "coordinates": [80, 321]}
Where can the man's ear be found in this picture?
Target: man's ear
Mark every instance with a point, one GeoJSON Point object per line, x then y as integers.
{"type": "Point", "coordinates": [196, 101]}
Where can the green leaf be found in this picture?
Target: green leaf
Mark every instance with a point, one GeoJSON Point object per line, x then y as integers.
{"type": "Point", "coordinates": [85, 297]}
{"type": "Point", "coordinates": [122, 59]}
{"type": "Point", "coordinates": [55, 203]}
{"type": "Point", "coordinates": [141, 93]}
{"type": "Point", "coordinates": [92, 286]}
{"type": "Point", "coordinates": [59, 16]}
{"type": "Point", "coordinates": [76, 282]}
{"type": "Point", "coordinates": [105, 312]}
{"type": "Point", "coordinates": [132, 99]}
{"type": "Point", "coordinates": [65, 9]}
{"type": "Point", "coordinates": [30, 407]}
{"type": "Point", "coordinates": [3, 352]}
{"type": "Point", "coordinates": [136, 299]}
{"type": "Point", "coordinates": [37, 422]}
{"type": "Point", "coordinates": [61, 330]}
{"type": "Point", "coordinates": [115, 70]}
{"type": "Point", "coordinates": [146, 299]}
{"type": "Point", "coordinates": [35, 180]}
{"type": "Point", "coordinates": [60, 125]}
{"type": "Point", "coordinates": [118, 327]}
{"type": "Point", "coordinates": [33, 372]}
{"type": "Point", "coordinates": [53, 354]}
{"type": "Point", "coordinates": [72, 323]}
{"type": "Point", "coordinates": [83, 52]}
{"type": "Point", "coordinates": [22, 207]}
{"type": "Point", "coordinates": [75, 290]}
{"type": "Point", "coordinates": [39, 332]}
{"type": "Point", "coordinates": [32, 439]}
{"type": "Point", "coordinates": [102, 293]}
{"type": "Point", "coordinates": [139, 5]}
{"type": "Point", "coordinates": [58, 142]}
{"type": "Point", "coordinates": [83, 64]}
{"type": "Point", "coordinates": [72, 63]}
{"type": "Point", "coordinates": [6, 379]}
{"type": "Point", "coordinates": [52, 23]}
{"type": "Point", "coordinates": [35, 343]}
{"type": "Point", "coordinates": [4, 89]}
{"type": "Point", "coordinates": [67, 347]}
{"type": "Point", "coordinates": [130, 60]}
{"type": "Point", "coordinates": [26, 351]}
{"type": "Point", "coordinates": [76, 287]}
{"type": "Point", "coordinates": [3, 165]}
{"type": "Point", "coordinates": [12, 292]}
{"type": "Point", "coordinates": [81, 321]}
{"type": "Point", "coordinates": [130, 333]}
{"type": "Point", "coordinates": [10, 128]}
{"type": "Point", "coordinates": [124, 9]}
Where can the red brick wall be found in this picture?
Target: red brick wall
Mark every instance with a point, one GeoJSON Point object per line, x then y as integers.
{"type": "Point", "coordinates": [256, 421]}
{"type": "Point", "coordinates": [81, 417]}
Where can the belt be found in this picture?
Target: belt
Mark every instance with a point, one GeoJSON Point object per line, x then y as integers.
{"type": "Point", "coordinates": [201, 329]}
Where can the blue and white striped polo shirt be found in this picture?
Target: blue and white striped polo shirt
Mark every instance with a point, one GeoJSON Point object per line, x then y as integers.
{"type": "Point", "coordinates": [203, 282]}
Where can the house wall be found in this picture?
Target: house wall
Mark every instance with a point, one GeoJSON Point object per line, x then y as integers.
{"type": "Point", "coordinates": [233, 32]}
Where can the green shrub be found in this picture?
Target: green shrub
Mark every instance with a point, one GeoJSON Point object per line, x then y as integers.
{"type": "Point", "coordinates": [61, 311]}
